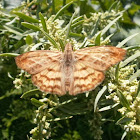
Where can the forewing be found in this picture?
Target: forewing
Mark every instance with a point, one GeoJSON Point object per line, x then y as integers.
{"type": "Point", "coordinates": [35, 61]}
{"type": "Point", "coordinates": [49, 80]}
{"type": "Point", "coordinates": [85, 78]}
{"type": "Point", "coordinates": [100, 58]}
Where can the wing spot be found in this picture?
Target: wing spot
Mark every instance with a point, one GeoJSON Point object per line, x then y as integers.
{"type": "Point", "coordinates": [82, 78]}
{"type": "Point", "coordinates": [97, 62]}
{"type": "Point", "coordinates": [39, 82]}
{"type": "Point", "coordinates": [49, 79]}
{"type": "Point", "coordinates": [84, 68]}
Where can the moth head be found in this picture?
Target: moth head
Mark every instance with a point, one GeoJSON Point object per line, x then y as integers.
{"type": "Point", "coordinates": [68, 47]}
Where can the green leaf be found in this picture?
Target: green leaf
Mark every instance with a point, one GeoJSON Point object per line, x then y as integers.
{"type": "Point", "coordinates": [100, 93]}
{"type": "Point", "coordinates": [123, 100]}
{"type": "Point", "coordinates": [61, 44]}
{"type": "Point", "coordinates": [98, 39]}
{"type": "Point", "coordinates": [31, 93]}
{"type": "Point", "coordinates": [126, 40]}
{"type": "Point", "coordinates": [113, 6]}
{"type": "Point", "coordinates": [62, 104]}
{"type": "Point", "coordinates": [60, 118]}
{"type": "Point", "coordinates": [26, 18]}
{"type": "Point", "coordinates": [135, 75]}
{"type": "Point", "coordinates": [129, 59]}
{"type": "Point", "coordinates": [36, 102]}
{"type": "Point", "coordinates": [12, 30]}
{"type": "Point", "coordinates": [74, 109]}
{"type": "Point", "coordinates": [50, 39]}
{"type": "Point", "coordinates": [30, 26]}
{"type": "Point", "coordinates": [124, 134]}
{"type": "Point", "coordinates": [138, 90]}
{"type": "Point", "coordinates": [133, 47]}
{"type": "Point", "coordinates": [108, 107]}
{"type": "Point", "coordinates": [94, 31]}
{"type": "Point", "coordinates": [9, 54]}
{"type": "Point", "coordinates": [84, 43]}
{"type": "Point", "coordinates": [117, 72]}
{"type": "Point", "coordinates": [77, 23]}
{"type": "Point", "coordinates": [109, 25]}
{"type": "Point", "coordinates": [71, 34]}
{"type": "Point", "coordinates": [62, 10]}
{"type": "Point", "coordinates": [108, 37]}
{"type": "Point", "coordinates": [66, 110]}
{"type": "Point", "coordinates": [29, 40]}
{"type": "Point", "coordinates": [123, 120]}
{"type": "Point", "coordinates": [68, 27]}
{"type": "Point", "coordinates": [77, 19]}
{"type": "Point", "coordinates": [43, 22]}
{"type": "Point", "coordinates": [34, 47]}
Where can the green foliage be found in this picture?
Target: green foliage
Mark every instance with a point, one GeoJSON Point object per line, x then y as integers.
{"type": "Point", "coordinates": [111, 111]}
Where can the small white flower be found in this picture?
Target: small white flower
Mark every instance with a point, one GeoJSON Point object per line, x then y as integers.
{"type": "Point", "coordinates": [47, 125]}
{"type": "Point", "coordinates": [108, 97]}
{"type": "Point", "coordinates": [125, 126]}
{"type": "Point", "coordinates": [33, 130]}
{"type": "Point", "coordinates": [138, 99]}
{"type": "Point", "coordinates": [59, 23]}
{"type": "Point", "coordinates": [133, 89]}
{"type": "Point", "coordinates": [134, 120]}
{"type": "Point", "coordinates": [132, 127]}
{"type": "Point", "coordinates": [44, 131]}
{"type": "Point", "coordinates": [130, 114]}
{"type": "Point", "coordinates": [43, 100]}
{"type": "Point", "coordinates": [124, 83]}
{"type": "Point", "coordinates": [137, 128]}
{"type": "Point", "coordinates": [111, 87]}
{"type": "Point", "coordinates": [129, 97]}
{"type": "Point", "coordinates": [122, 110]}
{"type": "Point", "coordinates": [17, 82]}
{"type": "Point", "coordinates": [116, 98]}
{"type": "Point", "coordinates": [35, 120]}
{"type": "Point", "coordinates": [44, 118]}
{"type": "Point", "coordinates": [132, 106]}
{"type": "Point", "coordinates": [139, 107]}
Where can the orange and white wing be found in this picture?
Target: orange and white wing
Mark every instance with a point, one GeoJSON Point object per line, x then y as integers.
{"type": "Point", "coordinates": [45, 68]}
{"type": "Point", "coordinates": [85, 78]}
{"type": "Point", "coordinates": [49, 80]}
{"type": "Point", "coordinates": [35, 61]}
{"type": "Point", "coordinates": [100, 57]}
{"type": "Point", "coordinates": [90, 64]}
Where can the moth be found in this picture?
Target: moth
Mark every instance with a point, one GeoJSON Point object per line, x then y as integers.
{"type": "Point", "coordinates": [69, 71]}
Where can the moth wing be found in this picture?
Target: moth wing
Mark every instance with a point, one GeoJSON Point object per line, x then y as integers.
{"type": "Point", "coordinates": [100, 57]}
{"type": "Point", "coordinates": [36, 61]}
{"type": "Point", "coordinates": [85, 78]}
{"type": "Point", "coordinates": [90, 64]}
{"type": "Point", "coordinates": [49, 80]}
{"type": "Point", "coordinates": [45, 68]}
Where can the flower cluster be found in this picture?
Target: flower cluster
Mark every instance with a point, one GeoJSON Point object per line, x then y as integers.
{"type": "Point", "coordinates": [55, 31]}
{"type": "Point", "coordinates": [104, 19]}
{"type": "Point", "coordinates": [43, 128]}
{"type": "Point", "coordinates": [95, 119]}
{"type": "Point", "coordinates": [129, 90]}
{"type": "Point", "coordinates": [18, 83]}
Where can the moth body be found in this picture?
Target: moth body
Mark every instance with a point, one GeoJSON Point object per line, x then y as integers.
{"type": "Point", "coordinates": [67, 66]}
